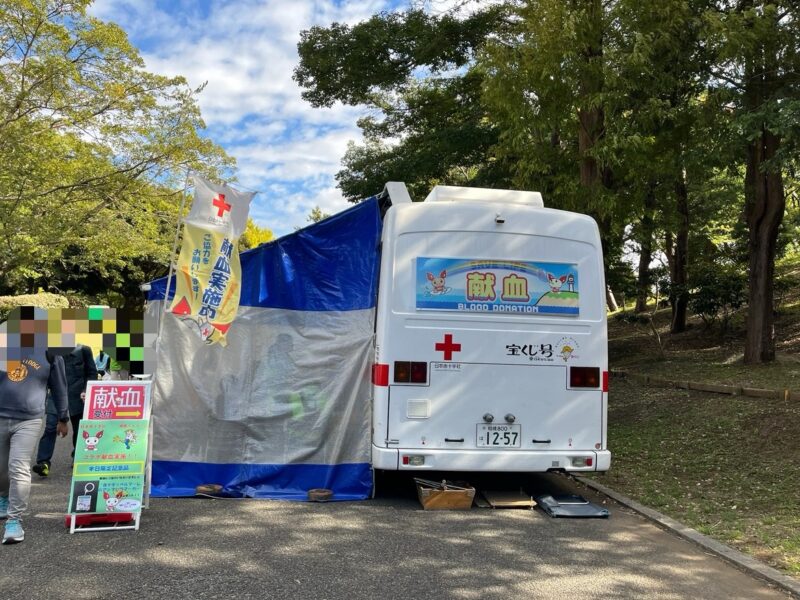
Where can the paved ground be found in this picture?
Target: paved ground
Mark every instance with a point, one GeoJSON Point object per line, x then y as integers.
{"type": "Point", "coordinates": [385, 548]}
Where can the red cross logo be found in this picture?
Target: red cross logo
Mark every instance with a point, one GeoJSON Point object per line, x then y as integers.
{"type": "Point", "coordinates": [447, 346]}
{"type": "Point", "coordinates": [219, 202]}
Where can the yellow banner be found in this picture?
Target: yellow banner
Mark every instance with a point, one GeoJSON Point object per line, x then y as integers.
{"type": "Point", "coordinates": [207, 285]}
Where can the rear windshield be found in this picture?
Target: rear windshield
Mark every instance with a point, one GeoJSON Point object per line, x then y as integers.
{"type": "Point", "coordinates": [513, 274]}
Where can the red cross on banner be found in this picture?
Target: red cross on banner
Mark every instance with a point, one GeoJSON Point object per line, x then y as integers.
{"type": "Point", "coordinates": [219, 202]}
{"type": "Point", "coordinates": [447, 346]}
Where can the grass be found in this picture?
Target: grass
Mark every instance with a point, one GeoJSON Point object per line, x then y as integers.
{"type": "Point", "coordinates": [701, 354]}
{"type": "Point", "coordinates": [728, 466]}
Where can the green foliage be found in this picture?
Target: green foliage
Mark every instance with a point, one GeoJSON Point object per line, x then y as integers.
{"type": "Point", "coordinates": [621, 278]}
{"type": "Point", "coordinates": [254, 236]}
{"type": "Point", "coordinates": [445, 137]}
{"type": "Point", "coordinates": [651, 117]}
{"type": "Point", "coordinates": [359, 64]}
{"type": "Point", "coordinates": [40, 300]}
{"type": "Point", "coordinates": [428, 124]}
{"type": "Point", "coordinates": [93, 148]}
{"type": "Point", "coordinates": [316, 215]}
{"type": "Point", "coordinates": [533, 72]}
{"type": "Point", "coordinates": [717, 294]}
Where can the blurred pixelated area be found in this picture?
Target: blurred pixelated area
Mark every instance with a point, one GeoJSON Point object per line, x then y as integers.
{"type": "Point", "coordinates": [128, 337]}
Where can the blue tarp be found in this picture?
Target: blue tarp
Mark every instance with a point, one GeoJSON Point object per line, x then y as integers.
{"type": "Point", "coordinates": [330, 265]}
{"type": "Point", "coordinates": [284, 408]}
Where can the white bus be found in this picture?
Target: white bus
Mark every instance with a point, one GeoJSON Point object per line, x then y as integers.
{"type": "Point", "coordinates": [491, 340]}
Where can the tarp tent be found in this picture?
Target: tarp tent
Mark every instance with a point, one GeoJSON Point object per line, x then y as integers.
{"type": "Point", "coordinates": [284, 408]}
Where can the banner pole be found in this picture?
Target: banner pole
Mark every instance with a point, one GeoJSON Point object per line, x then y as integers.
{"type": "Point", "coordinates": [149, 459]}
{"type": "Point", "coordinates": [175, 244]}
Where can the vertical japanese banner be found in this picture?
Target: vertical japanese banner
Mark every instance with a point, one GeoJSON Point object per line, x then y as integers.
{"type": "Point", "coordinates": [111, 458]}
{"type": "Point", "coordinates": [207, 282]}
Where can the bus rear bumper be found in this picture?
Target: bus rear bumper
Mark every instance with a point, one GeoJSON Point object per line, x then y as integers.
{"type": "Point", "coordinates": [533, 461]}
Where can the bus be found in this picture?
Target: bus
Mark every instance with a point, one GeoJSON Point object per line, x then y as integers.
{"type": "Point", "coordinates": [491, 344]}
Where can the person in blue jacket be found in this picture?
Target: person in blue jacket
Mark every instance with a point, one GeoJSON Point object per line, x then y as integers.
{"type": "Point", "coordinates": [80, 368]}
{"type": "Point", "coordinates": [101, 363]}
{"type": "Point", "coordinates": [23, 392]}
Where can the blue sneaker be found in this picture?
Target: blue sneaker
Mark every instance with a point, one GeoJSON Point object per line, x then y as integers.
{"type": "Point", "coordinates": [3, 507]}
{"type": "Point", "coordinates": [14, 532]}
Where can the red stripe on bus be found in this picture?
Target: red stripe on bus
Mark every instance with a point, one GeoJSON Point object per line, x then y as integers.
{"type": "Point", "coordinates": [380, 374]}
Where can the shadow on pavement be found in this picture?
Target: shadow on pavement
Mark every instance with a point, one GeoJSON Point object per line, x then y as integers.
{"type": "Point", "coordinates": [384, 548]}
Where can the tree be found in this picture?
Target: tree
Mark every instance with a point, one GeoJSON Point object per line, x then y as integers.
{"type": "Point", "coordinates": [443, 136]}
{"type": "Point", "coordinates": [642, 115]}
{"type": "Point", "coordinates": [661, 73]}
{"type": "Point", "coordinates": [93, 149]}
{"type": "Point", "coordinates": [757, 73]}
{"type": "Point", "coordinates": [546, 86]}
{"type": "Point", "coordinates": [316, 215]}
{"type": "Point", "coordinates": [423, 130]}
{"type": "Point", "coordinates": [254, 236]}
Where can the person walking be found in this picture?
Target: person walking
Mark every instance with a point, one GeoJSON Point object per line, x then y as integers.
{"type": "Point", "coordinates": [47, 443]}
{"type": "Point", "coordinates": [80, 369]}
{"type": "Point", "coordinates": [23, 393]}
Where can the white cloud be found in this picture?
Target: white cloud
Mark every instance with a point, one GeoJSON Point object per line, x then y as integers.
{"type": "Point", "coordinates": [246, 51]}
{"type": "Point", "coordinates": [283, 211]}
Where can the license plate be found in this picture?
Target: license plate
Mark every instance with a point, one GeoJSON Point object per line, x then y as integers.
{"type": "Point", "coordinates": [499, 436]}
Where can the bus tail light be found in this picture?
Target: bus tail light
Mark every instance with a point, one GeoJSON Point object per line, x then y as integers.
{"type": "Point", "coordinates": [402, 371]}
{"type": "Point", "coordinates": [414, 460]}
{"type": "Point", "coordinates": [419, 372]}
{"type": "Point", "coordinates": [584, 377]}
{"type": "Point", "coordinates": [582, 461]}
{"type": "Point", "coordinates": [410, 372]}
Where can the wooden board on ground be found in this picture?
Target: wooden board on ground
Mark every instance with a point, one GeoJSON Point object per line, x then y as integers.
{"type": "Point", "coordinates": [506, 499]}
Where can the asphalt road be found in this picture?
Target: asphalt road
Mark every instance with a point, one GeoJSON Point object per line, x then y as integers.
{"type": "Point", "coordinates": [386, 548]}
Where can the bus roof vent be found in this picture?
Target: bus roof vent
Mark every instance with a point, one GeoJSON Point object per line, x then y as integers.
{"type": "Point", "coordinates": [448, 193]}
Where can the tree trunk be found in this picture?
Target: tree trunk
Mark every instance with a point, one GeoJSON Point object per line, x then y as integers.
{"type": "Point", "coordinates": [611, 300]}
{"type": "Point", "coordinates": [669, 252]}
{"type": "Point", "coordinates": [765, 203]}
{"type": "Point", "coordinates": [591, 118]}
{"type": "Point", "coordinates": [646, 228]}
{"type": "Point", "coordinates": [680, 257]}
{"type": "Point", "coordinates": [591, 121]}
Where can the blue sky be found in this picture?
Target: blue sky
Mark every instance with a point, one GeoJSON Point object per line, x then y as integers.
{"type": "Point", "coordinates": [245, 50]}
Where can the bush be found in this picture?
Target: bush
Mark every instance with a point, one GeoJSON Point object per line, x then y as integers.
{"type": "Point", "coordinates": [43, 300]}
{"type": "Point", "coordinates": [718, 293]}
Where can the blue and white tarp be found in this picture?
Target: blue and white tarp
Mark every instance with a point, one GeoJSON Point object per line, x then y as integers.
{"type": "Point", "coordinates": [284, 408]}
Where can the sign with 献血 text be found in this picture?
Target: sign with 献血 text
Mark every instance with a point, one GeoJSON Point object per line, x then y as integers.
{"type": "Point", "coordinates": [117, 400]}
{"type": "Point", "coordinates": [110, 471]}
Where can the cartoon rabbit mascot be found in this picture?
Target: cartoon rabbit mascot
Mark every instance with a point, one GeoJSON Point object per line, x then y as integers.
{"type": "Point", "coordinates": [92, 440]}
{"type": "Point", "coordinates": [112, 501]}
{"type": "Point", "coordinates": [556, 282]}
{"type": "Point", "coordinates": [437, 283]}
